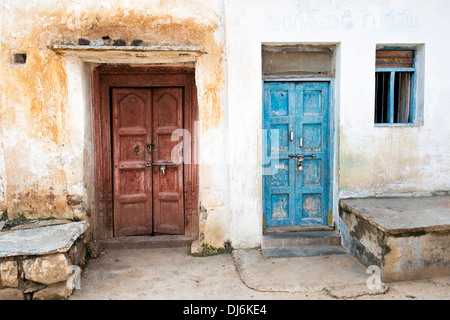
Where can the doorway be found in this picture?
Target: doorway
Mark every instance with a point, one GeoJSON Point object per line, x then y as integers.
{"type": "Point", "coordinates": [296, 155]}
{"type": "Point", "coordinates": [146, 176]}
{"type": "Point", "coordinates": [147, 183]}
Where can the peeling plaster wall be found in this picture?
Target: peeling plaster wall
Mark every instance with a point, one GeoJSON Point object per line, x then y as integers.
{"type": "Point", "coordinates": [46, 151]}
{"type": "Point", "coordinates": [46, 107]}
{"type": "Point", "coordinates": [78, 152]}
{"type": "Point", "coordinates": [2, 156]}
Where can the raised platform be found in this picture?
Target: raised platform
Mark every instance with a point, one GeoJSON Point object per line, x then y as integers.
{"type": "Point", "coordinates": [407, 238]}
{"type": "Point", "coordinates": [45, 239]}
{"type": "Point", "coordinates": [38, 258]}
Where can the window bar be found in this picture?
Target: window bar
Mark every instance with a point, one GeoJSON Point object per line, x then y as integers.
{"type": "Point", "coordinates": [382, 96]}
{"type": "Point", "coordinates": [412, 110]}
{"type": "Point", "coordinates": [407, 108]}
{"type": "Point", "coordinates": [376, 96]}
{"type": "Point", "coordinates": [385, 100]}
{"type": "Point", "coordinates": [391, 97]}
{"type": "Point", "coordinates": [402, 100]}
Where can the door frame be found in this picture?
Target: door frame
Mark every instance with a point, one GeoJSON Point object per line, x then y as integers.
{"type": "Point", "coordinates": [332, 165]}
{"type": "Point", "coordinates": [103, 79]}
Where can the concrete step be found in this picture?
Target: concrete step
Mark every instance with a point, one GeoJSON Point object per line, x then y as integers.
{"type": "Point", "coordinates": [305, 251]}
{"type": "Point", "coordinates": [301, 238]}
{"type": "Point", "coordinates": [302, 244]}
{"type": "Point", "coordinates": [143, 242]}
{"type": "Point", "coordinates": [284, 229]}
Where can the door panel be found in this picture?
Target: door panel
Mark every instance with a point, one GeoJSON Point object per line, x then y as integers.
{"type": "Point", "coordinates": [168, 205]}
{"type": "Point", "coordinates": [131, 124]}
{"type": "Point", "coordinates": [147, 199]}
{"type": "Point", "coordinates": [104, 79]}
{"type": "Point", "coordinates": [296, 122]}
{"type": "Point", "coordinates": [312, 128]}
{"type": "Point", "coordinates": [279, 121]}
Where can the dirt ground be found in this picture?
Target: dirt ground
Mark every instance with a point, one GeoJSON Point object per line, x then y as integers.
{"type": "Point", "coordinates": [172, 274]}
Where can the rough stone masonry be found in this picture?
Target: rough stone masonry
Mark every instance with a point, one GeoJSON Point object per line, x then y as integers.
{"type": "Point", "coordinates": [41, 260]}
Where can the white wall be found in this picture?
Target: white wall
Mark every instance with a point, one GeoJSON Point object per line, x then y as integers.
{"type": "Point", "coordinates": [371, 160]}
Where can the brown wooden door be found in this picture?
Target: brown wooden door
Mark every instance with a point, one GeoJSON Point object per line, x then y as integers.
{"type": "Point", "coordinates": [168, 206]}
{"type": "Point", "coordinates": [146, 202]}
{"type": "Point", "coordinates": [131, 121]}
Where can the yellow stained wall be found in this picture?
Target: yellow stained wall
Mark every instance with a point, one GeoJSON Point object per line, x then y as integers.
{"type": "Point", "coordinates": [33, 104]}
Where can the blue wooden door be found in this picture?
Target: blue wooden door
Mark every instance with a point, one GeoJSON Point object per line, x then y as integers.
{"type": "Point", "coordinates": [295, 153]}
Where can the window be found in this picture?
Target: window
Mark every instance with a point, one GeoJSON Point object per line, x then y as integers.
{"type": "Point", "coordinates": [395, 76]}
{"type": "Point", "coordinates": [297, 61]}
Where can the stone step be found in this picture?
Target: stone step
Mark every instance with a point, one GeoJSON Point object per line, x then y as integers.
{"type": "Point", "coordinates": [147, 242]}
{"type": "Point", "coordinates": [304, 251]}
{"type": "Point", "coordinates": [301, 238]}
{"type": "Point", "coordinates": [284, 229]}
{"type": "Point", "coordinates": [302, 244]}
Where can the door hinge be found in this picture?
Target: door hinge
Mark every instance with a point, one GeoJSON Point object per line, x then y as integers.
{"type": "Point", "coordinates": [264, 221]}
{"type": "Point", "coordinates": [330, 218]}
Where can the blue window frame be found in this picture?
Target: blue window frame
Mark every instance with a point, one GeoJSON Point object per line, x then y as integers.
{"type": "Point", "coordinates": [395, 78]}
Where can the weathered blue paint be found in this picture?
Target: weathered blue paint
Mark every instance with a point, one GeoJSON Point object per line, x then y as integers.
{"type": "Point", "coordinates": [292, 197]}
{"type": "Point", "coordinates": [395, 69]}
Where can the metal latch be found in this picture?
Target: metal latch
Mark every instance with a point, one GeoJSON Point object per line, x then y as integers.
{"type": "Point", "coordinates": [163, 165]}
{"type": "Point", "coordinates": [301, 158]}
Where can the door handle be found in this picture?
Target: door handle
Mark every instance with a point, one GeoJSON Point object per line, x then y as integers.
{"type": "Point", "coordinates": [160, 164]}
{"type": "Point", "coordinates": [163, 164]}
